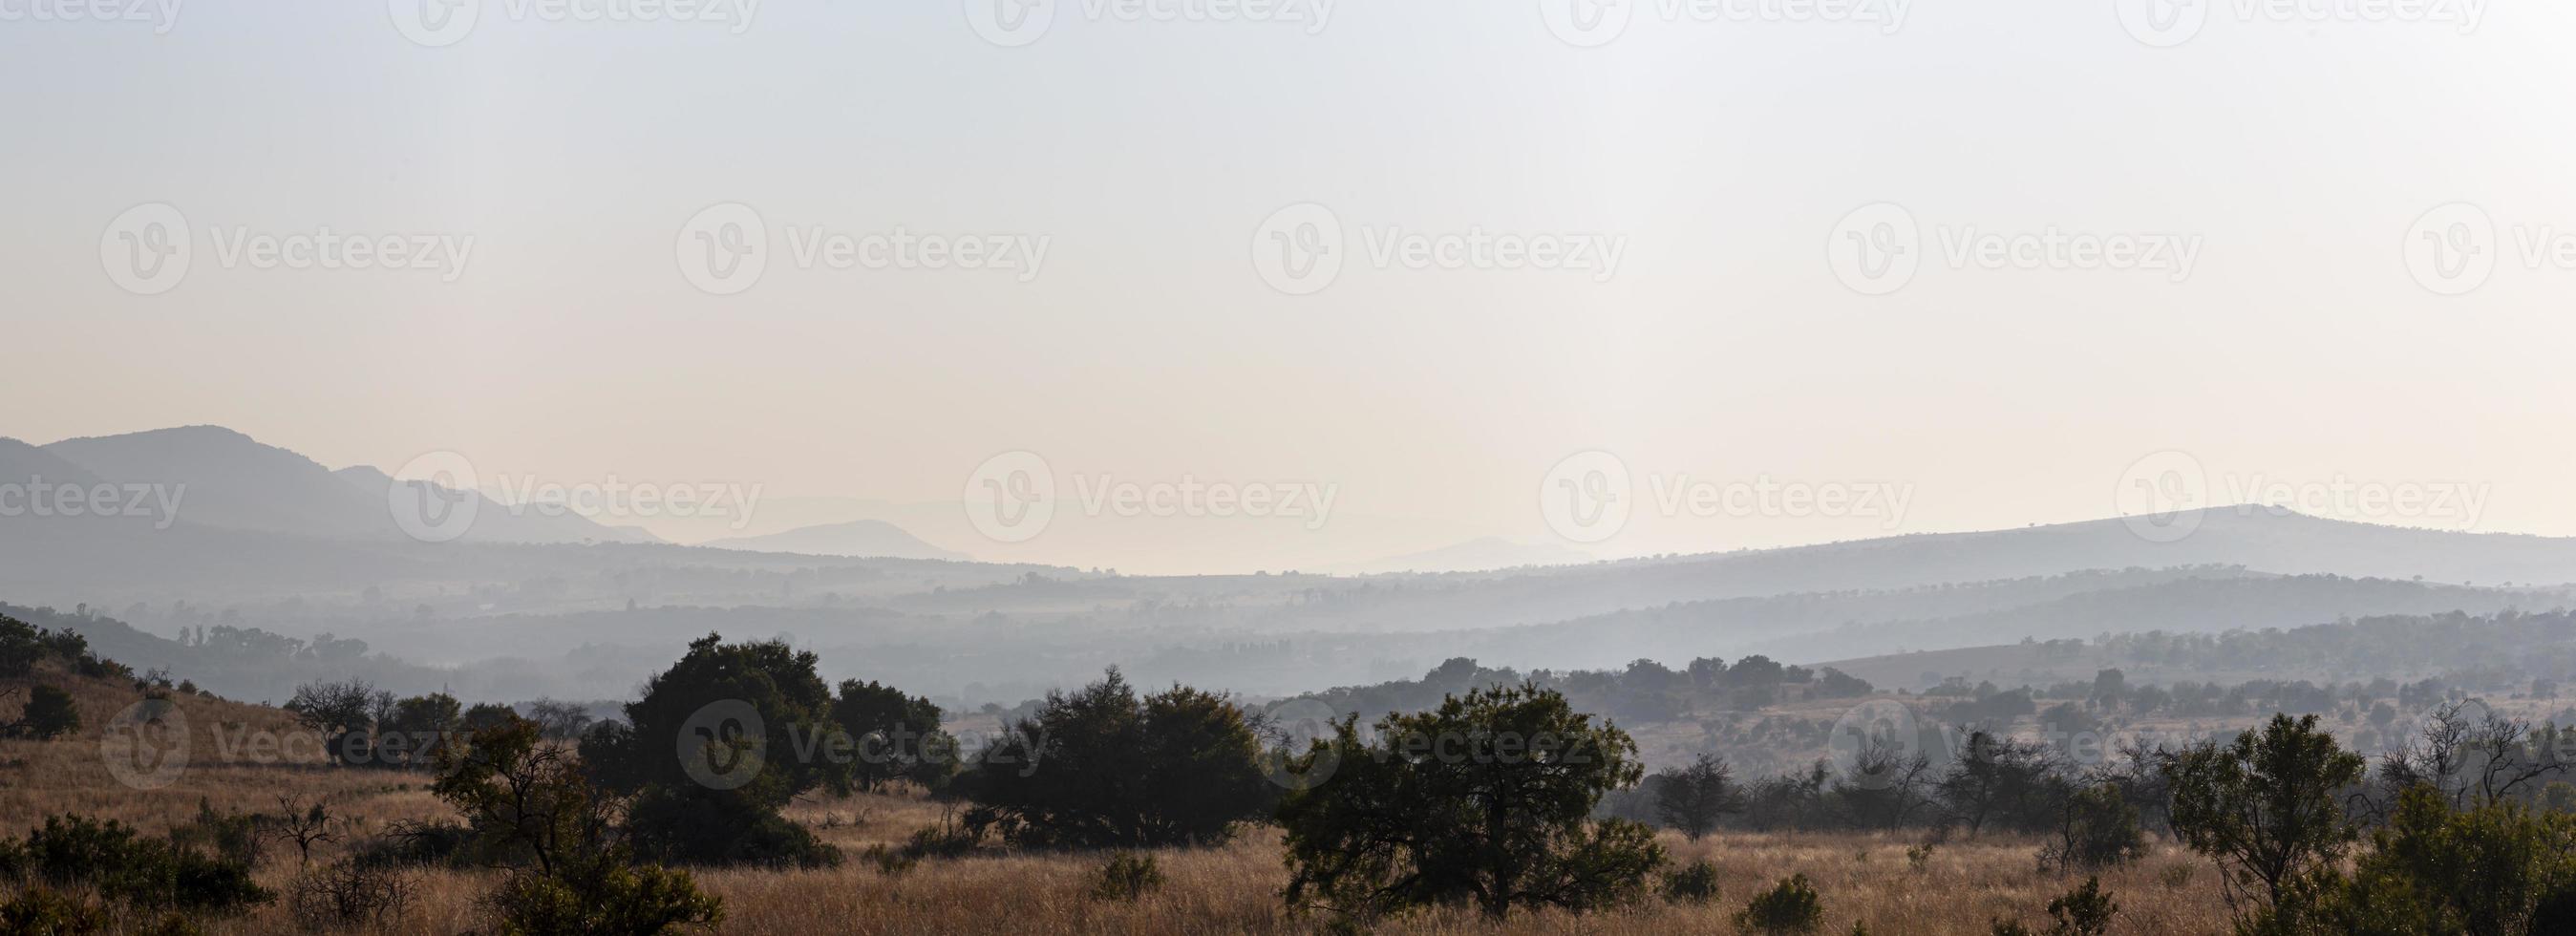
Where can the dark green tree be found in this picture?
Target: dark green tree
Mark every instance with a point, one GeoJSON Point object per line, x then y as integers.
{"type": "Point", "coordinates": [1101, 768]}
{"type": "Point", "coordinates": [716, 747]}
{"type": "Point", "coordinates": [1484, 801]}
{"type": "Point", "coordinates": [2267, 807]}
{"type": "Point", "coordinates": [1691, 799]}
{"type": "Point", "coordinates": [895, 737]}
{"type": "Point", "coordinates": [50, 714]}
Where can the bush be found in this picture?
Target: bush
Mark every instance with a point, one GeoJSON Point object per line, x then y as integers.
{"type": "Point", "coordinates": [350, 892]}
{"type": "Point", "coordinates": [1486, 800]}
{"type": "Point", "coordinates": [1790, 908]}
{"type": "Point", "coordinates": [1126, 877]}
{"type": "Point", "coordinates": [42, 911]}
{"type": "Point", "coordinates": [1694, 883]}
{"type": "Point", "coordinates": [2084, 911]}
{"type": "Point", "coordinates": [2098, 829]}
{"type": "Point", "coordinates": [122, 866]}
{"type": "Point", "coordinates": [602, 898]}
{"type": "Point", "coordinates": [1103, 769]}
{"type": "Point", "coordinates": [49, 714]}
{"type": "Point", "coordinates": [238, 837]}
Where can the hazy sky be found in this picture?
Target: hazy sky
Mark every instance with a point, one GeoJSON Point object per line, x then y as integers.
{"type": "Point", "coordinates": [2290, 153]}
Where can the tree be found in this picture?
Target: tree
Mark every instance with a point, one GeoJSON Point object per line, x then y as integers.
{"type": "Point", "coordinates": [1484, 800]}
{"type": "Point", "coordinates": [1103, 769]}
{"type": "Point", "coordinates": [306, 825]}
{"type": "Point", "coordinates": [532, 803]}
{"type": "Point", "coordinates": [2097, 829]}
{"type": "Point", "coordinates": [342, 712]}
{"type": "Point", "coordinates": [742, 719]}
{"type": "Point", "coordinates": [1692, 798]}
{"type": "Point", "coordinates": [897, 737]}
{"type": "Point", "coordinates": [50, 714]}
{"type": "Point", "coordinates": [2266, 807]}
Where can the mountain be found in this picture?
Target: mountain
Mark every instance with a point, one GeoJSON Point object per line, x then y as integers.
{"type": "Point", "coordinates": [222, 478]}
{"type": "Point", "coordinates": [226, 479]}
{"type": "Point", "coordinates": [1476, 555]}
{"type": "Point", "coordinates": [494, 521]}
{"type": "Point", "coordinates": [861, 539]}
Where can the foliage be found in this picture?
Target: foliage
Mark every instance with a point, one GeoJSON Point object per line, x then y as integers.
{"type": "Point", "coordinates": [2496, 869]}
{"type": "Point", "coordinates": [122, 866]}
{"type": "Point", "coordinates": [1791, 907]}
{"type": "Point", "coordinates": [735, 713]}
{"type": "Point", "coordinates": [603, 898]}
{"type": "Point", "coordinates": [1692, 798]}
{"type": "Point", "coordinates": [43, 911]}
{"type": "Point", "coordinates": [2084, 911]}
{"type": "Point", "coordinates": [1102, 769]}
{"type": "Point", "coordinates": [2099, 829]}
{"type": "Point", "coordinates": [1484, 800]}
{"type": "Point", "coordinates": [1693, 883]}
{"type": "Point", "coordinates": [50, 714]}
{"type": "Point", "coordinates": [1126, 877]}
{"type": "Point", "coordinates": [351, 893]}
{"type": "Point", "coordinates": [2267, 807]}
{"type": "Point", "coordinates": [897, 737]}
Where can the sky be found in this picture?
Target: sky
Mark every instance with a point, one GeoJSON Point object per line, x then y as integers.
{"type": "Point", "coordinates": [1623, 278]}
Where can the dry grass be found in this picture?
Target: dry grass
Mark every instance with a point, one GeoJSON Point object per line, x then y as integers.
{"type": "Point", "coordinates": [1961, 888]}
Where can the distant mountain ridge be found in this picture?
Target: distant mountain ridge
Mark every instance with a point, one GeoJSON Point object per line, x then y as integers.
{"type": "Point", "coordinates": [857, 539]}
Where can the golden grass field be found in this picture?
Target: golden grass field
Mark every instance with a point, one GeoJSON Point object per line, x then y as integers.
{"type": "Point", "coordinates": [1960, 888]}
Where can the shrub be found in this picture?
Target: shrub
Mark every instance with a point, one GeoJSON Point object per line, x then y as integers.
{"type": "Point", "coordinates": [2084, 911]}
{"type": "Point", "coordinates": [1790, 908]}
{"type": "Point", "coordinates": [50, 714]}
{"type": "Point", "coordinates": [350, 892]}
{"type": "Point", "coordinates": [42, 911]}
{"type": "Point", "coordinates": [2097, 829]}
{"type": "Point", "coordinates": [238, 837]}
{"type": "Point", "coordinates": [602, 898]}
{"type": "Point", "coordinates": [1487, 799]}
{"type": "Point", "coordinates": [1694, 883]}
{"type": "Point", "coordinates": [1102, 768]}
{"type": "Point", "coordinates": [2267, 807]}
{"type": "Point", "coordinates": [122, 866]}
{"type": "Point", "coordinates": [890, 862]}
{"type": "Point", "coordinates": [1691, 799]}
{"type": "Point", "coordinates": [1126, 877]}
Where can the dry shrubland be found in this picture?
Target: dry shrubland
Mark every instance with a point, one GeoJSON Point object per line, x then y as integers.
{"type": "Point", "coordinates": [1959, 887]}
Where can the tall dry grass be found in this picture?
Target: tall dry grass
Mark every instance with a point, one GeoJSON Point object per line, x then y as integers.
{"type": "Point", "coordinates": [1960, 888]}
